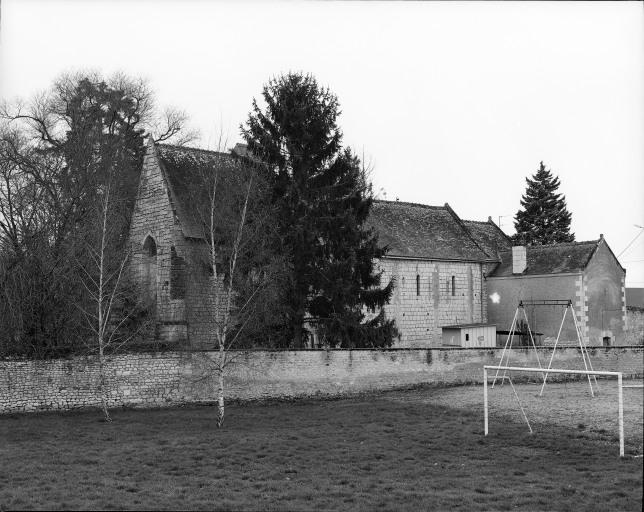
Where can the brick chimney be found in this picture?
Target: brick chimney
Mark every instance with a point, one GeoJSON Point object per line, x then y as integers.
{"type": "Point", "coordinates": [519, 259]}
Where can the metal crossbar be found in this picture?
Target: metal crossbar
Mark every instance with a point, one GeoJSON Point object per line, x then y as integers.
{"type": "Point", "coordinates": [546, 302]}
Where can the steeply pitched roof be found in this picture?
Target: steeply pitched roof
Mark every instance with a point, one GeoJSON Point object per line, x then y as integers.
{"type": "Point", "coordinates": [409, 230]}
{"type": "Point", "coordinates": [184, 168]}
{"type": "Point", "coordinates": [550, 259]}
{"type": "Point", "coordinates": [420, 231]}
{"type": "Point", "coordinates": [489, 236]}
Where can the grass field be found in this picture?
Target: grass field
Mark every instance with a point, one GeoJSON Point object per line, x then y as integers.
{"type": "Point", "coordinates": [388, 451]}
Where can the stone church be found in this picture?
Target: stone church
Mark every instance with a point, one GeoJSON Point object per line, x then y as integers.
{"type": "Point", "coordinates": [442, 265]}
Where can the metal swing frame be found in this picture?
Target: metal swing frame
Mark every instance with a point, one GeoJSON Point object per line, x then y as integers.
{"type": "Point", "coordinates": [567, 304]}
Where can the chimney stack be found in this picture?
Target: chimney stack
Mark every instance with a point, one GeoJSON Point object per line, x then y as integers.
{"type": "Point", "coordinates": [519, 259]}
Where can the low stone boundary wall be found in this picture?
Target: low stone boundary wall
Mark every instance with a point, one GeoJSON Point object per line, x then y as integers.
{"type": "Point", "coordinates": [172, 378]}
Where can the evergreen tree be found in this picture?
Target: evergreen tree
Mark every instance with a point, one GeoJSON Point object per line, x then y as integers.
{"type": "Point", "coordinates": [544, 218]}
{"type": "Point", "coordinates": [323, 200]}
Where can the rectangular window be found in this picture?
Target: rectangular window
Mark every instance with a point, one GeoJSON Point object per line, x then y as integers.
{"type": "Point", "coordinates": [417, 285]}
{"type": "Point", "coordinates": [453, 286]}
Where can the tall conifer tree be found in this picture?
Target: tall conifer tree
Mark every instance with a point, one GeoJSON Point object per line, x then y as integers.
{"type": "Point", "coordinates": [323, 199]}
{"type": "Point", "coordinates": [544, 217]}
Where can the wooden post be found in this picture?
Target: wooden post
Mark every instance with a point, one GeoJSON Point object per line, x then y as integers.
{"type": "Point", "coordinates": [485, 423]}
{"type": "Point", "coordinates": [620, 406]}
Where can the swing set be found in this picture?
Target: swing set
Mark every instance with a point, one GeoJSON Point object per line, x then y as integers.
{"type": "Point", "coordinates": [505, 354]}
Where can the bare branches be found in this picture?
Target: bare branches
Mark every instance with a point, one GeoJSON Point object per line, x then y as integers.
{"type": "Point", "coordinates": [57, 153]}
{"type": "Point", "coordinates": [171, 127]}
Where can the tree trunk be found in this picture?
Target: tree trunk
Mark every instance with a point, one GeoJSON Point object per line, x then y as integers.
{"type": "Point", "coordinates": [103, 386]}
{"type": "Point", "coordinates": [220, 394]}
{"type": "Point", "coordinates": [220, 400]}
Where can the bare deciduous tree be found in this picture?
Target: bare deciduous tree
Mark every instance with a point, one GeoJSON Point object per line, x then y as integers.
{"type": "Point", "coordinates": [56, 153]}
{"type": "Point", "coordinates": [111, 308]}
{"type": "Point", "coordinates": [229, 200]}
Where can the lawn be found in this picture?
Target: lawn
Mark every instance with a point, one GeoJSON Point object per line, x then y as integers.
{"type": "Point", "coordinates": [384, 451]}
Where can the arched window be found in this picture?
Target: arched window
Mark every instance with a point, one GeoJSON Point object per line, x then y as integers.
{"type": "Point", "coordinates": [149, 246]}
{"type": "Point", "coordinates": [149, 270]}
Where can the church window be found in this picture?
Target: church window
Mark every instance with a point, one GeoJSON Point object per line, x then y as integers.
{"type": "Point", "coordinates": [149, 270]}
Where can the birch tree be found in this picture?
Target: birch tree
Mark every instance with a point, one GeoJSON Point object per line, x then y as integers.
{"type": "Point", "coordinates": [230, 199]}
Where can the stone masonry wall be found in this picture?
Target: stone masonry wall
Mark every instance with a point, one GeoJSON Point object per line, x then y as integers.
{"type": "Point", "coordinates": [182, 293]}
{"type": "Point", "coordinates": [604, 298]}
{"type": "Point", "coordinates": [165, 379]}
{"type": "Point", "coordinates": [154, 217]}
{"type": "Point", "coordinates": [421, 311]}
{"type": "Point", "coordinates": [634, 334]}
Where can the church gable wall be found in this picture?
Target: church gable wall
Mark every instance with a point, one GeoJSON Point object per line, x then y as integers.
{"type": "Point", "coordinates": [153, 218]}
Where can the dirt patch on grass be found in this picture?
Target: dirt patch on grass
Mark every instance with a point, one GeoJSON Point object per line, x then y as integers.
{"type": "Point", "coordinates": [568, 405]}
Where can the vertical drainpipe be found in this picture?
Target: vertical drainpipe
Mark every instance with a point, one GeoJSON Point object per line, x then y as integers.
{"type": "Point", "coordinates": [482, 296]}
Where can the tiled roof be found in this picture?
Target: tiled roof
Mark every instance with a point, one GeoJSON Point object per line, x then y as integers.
{"type": "Point", "coordinates": [412, 230]}
{"type": "Point", "coordinates": [489, 236]}
{"type": "Point", "coordinates": [635, 297]}
{"type": "Point", "coordinates": [409, 230]}
{"type": "Point", "coordinates": [550, 259]}
{"type": "Point", "coordinates": [184, 168]}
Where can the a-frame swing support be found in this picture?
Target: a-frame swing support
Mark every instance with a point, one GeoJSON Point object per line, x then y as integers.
{"type": "Point", "coordinates": [508, 343]}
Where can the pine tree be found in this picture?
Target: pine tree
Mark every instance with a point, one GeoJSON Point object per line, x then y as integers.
{"type": "Point", "coordinates": [323, 200]}
{"type": "Point", "coordinates": [544, 218]}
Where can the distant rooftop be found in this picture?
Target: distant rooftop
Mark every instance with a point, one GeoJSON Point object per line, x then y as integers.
{"type": "Point", "coordinates": [412, 230]}
{"type": "Point", "coordinates": [489, 236]}
{"type": "Point", "coordinates": [550, 259]}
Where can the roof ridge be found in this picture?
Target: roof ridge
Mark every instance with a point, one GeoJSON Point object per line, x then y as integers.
{"type": "Point", "coordinates": [405, 203]}
{"type": "Point", "coordinates": [562, 244]}
{"type": "Point", "coordinates": [478, 221]}
{"type": "Point", "coordinates": [190, 149]}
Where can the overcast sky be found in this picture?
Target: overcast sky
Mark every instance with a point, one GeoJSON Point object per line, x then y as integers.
{"type": "Point", "coordinates": [450, 102]}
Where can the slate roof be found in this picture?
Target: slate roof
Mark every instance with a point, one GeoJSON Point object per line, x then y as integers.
{"type": "Point", "coordinates": [489, 236]}
{"type": "Point", "coordinates": [421, 231]}
{"type": "Point", "coordinates": [409, 230]}
{"type": "Point", "coordinates": [550, 259]}
{"type": "Point", "coordinates": [183, 168]}
{"type": "Point", "coordinates": [635, 297]}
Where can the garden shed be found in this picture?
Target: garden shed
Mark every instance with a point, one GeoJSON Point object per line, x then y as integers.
{"type": "Point", "coordinates": [469, 335]}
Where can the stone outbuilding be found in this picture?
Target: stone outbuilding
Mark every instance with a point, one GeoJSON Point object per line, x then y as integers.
{"type": "Point", "coordinates": [586, 273]}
